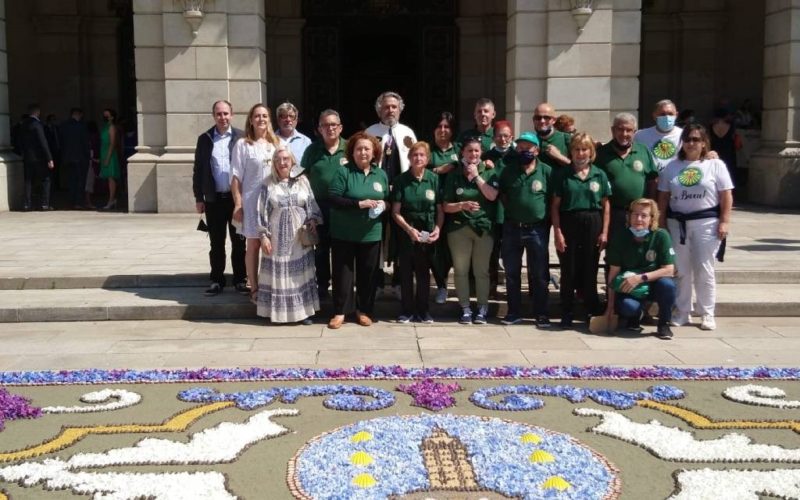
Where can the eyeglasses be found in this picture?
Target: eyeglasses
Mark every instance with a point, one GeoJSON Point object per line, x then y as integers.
{"type": "Point", "coordinates": [693, 140]}
{"type": "Point", "coordinates": [504, 136]}
{"type": "Point", "coordinates": [640, 215]}
{"type": "Point", "coordinates": [329, 125]}
{"type": "Point", "coordinates": [542, 117]}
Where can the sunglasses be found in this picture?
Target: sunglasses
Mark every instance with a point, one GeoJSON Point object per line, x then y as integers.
{"type": "Point", "coordinates": [542, 117]}
{"type": "Point", "coordinates": [693, 140]}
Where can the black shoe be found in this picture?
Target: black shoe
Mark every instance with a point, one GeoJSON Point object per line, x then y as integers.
{"type": "Point", "coordinates": [214, 289]}
{"type": "Point", "coordinates": [511, 319]}
{"type": "Point", "coordinates": [664, 332]}
{"type": "Point", "coordinates": [323, 294]}
{"type": "Point", "coordinates": [634, 324]}
{"type": "Point", "coordinates": [308, 321]}
{"type": "Point", "coordinates": [26, 208]}
{"type": "Point", "coordinates": [566, 320]}
{"type": "Point", "coordinates": [542, 321]}
{"type": "Point", "coordinates": [242, 288]}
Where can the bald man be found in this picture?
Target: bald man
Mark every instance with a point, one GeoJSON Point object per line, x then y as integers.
{"type": "Point", "coordinates": [554, 144]}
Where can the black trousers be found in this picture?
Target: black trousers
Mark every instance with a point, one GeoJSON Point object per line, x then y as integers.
{"type": "Point", "coordinates": [415, 262]}
{"type": "Point", "coordinates": [322, 252]}
{"type": "Point", "coordinates": [218, 217]}
{"type": "Point", "coordinates": [37, 176]}
{"type": "Point", "coordinates": [354, 261]}
{"type": "Point", "coordinates": [580, 260]}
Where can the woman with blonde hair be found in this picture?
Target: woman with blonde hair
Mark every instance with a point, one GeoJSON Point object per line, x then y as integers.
{"type": "Point", "coordinates": [580, 213]}
{"type": "Point", "coordinates": [251, 162]}
{"type": "Point", "coordinates": [641, 262]}
{"type": "Point", "coordinates": [288, 217]}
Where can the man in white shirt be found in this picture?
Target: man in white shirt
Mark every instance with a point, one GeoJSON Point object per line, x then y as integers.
{"type": "Point", "coordinates": [664, 139]}
{"type": "Point", "coordinates": [287, 133]}
{"type": "Point", "coordinates": [211, 183]}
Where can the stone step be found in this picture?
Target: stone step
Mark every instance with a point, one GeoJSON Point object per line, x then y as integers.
{"type": "Point", "coordinates": [735, 276]}
{"type": "Point", "coordinates": [147, 303]}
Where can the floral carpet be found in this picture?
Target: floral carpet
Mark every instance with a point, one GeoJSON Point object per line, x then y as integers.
{"type": "Point", "coordinates": [389, 432]}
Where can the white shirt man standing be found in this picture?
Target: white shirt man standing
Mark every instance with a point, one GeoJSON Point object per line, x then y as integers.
{"type": "Point", "coordinates": [287, 133]}
{"type": "Point", "coordinates": [664, 139]}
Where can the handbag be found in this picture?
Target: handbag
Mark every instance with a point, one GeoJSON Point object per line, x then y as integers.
{"type": "Point", "coordinates": [307, 237]}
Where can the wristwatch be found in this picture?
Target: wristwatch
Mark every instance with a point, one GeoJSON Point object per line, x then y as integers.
{"type": "Point", "coordinates": [644, 278]}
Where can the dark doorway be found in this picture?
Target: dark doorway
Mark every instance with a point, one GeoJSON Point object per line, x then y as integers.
{"type": "Point", "coordinates": [354, 50]}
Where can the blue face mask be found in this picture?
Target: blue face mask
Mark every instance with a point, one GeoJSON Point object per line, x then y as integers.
{"type": "Point", "coordinates": [526, 157]}
{"type": "Point", "coordinates": [640, 233]}
{"type": "Point", "coordinates": [665, 123]}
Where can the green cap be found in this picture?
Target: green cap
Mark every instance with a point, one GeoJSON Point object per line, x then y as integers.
{"type": "Point", "coordinates": [528, 137]}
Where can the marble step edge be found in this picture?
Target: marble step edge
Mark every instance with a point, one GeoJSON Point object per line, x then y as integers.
{"type": "Point", "coordinates": [43, 306]}
{"type": "Point", "coordinates": [735, 276]}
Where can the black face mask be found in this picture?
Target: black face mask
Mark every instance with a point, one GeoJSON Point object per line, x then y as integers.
{"type": "Point", "coordinates": [620, 147]}
{"type": "Point", "coordinates": [545, 132]}
{"type": "Point", "coordinates": [106, 119]}
{"type": "Point", "coordinates": [526, 157]}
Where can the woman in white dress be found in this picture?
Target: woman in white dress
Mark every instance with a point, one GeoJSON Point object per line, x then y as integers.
{"type": "Point", "coordinates": [250, 164]}
{"type": "Point", "coordinates": [287, 284]}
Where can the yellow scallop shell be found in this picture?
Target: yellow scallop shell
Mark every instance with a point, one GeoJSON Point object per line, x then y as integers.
{"type": "Point", "coordinates": [360, 458]}
{"type": "Point", "coordinates": [540, 457]}
{"type": "Point", "coordinates": [555, 483]}
{"type": "Point", "coordinates": [361, 436]}
{"type": "Point", "coordinates": [364, 480]}
{"type": "Point", "coordinates": [529, 437]}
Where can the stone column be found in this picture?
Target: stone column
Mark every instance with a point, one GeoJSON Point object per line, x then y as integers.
{"type": "Point", "coordinates": [285, 55]}
{"type": "Point", "coordinates": [591, 75]}
{"type": "Point", "coordinates": [179, 76]}
{"type": "Point", "coordinates": [11, 178]}
{"type": "Point", "coordinates": [774, 170]}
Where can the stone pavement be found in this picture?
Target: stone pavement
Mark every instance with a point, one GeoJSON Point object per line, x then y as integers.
{"type": "Point", "coordinates": [93, 259]}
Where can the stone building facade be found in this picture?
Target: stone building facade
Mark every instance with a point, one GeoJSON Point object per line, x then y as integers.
{"type": "Point", "coordinates": [591, 59]}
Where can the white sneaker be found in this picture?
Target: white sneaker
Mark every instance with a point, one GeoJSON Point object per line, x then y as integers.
{"type": "Point", "coordinates": [680, 320]}
{"type": "Point", "coordinates": [708, 323]}
{"type": "Point", "coordinates": [441, 296]}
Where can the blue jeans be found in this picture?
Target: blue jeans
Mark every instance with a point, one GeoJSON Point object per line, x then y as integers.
{"type": "Point", "coordinates": [662, 291]}
{"type": "Point", "coordinates": [533, 239]}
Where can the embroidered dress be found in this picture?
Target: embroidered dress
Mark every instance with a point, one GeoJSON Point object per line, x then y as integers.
{"type": "Point", "coordinates": [251, 164]}
{"type": "Point", "coordinates": [287, 285]}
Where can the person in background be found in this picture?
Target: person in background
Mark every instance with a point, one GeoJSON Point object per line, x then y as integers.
{"type": "Point", "coordinates": [580, 214]}
{"type": "Point", "coordinates": [287, 115]}
{"type": "Point", "coordinates": [109, 156]}
{"type": "Point", "coordinates": [287, 284]}
{"type": "Point", "coordinates": [251, 163]}
{"type": "Point", "coordinates": [320, 162]}
{"type": "Point", "coordinates": [211, 184]}
{"type": "Point", "coordinates": [469, 197]}
{"type": "Point", "coordinates": [695, 197]}
{"type": "Point", "coordinates": [444, 159]}
{"type": "Point", "coordinates": [566, 124]}
{"type": "Point", "coordinates": [358, 194]}
{"type": "Point", "coordinates": [37, 160]}
{"type": "Point", "coordinates": [417, 210]}
{"type": "Point", "coordinates": [93, 171]}
{"type": "Point", "coordinates": [525, 187]}
{"type": "Point", "coordinates": [725, 140]}
{"type": "Point", "coordinates": [554, 144]}
{"type": "Point", "coordinates": [74, 138]}
{"type": "Point", "coordinates": [642, 265]}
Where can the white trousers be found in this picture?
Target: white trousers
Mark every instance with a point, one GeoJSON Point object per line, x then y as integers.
{"type": "Point", "coordinates": [695, 265]}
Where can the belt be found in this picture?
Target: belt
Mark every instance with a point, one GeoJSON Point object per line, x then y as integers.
{"type": "Point", "coordinates": [224, 194]}
{"type": "Point", "coordinates": [524, 225]}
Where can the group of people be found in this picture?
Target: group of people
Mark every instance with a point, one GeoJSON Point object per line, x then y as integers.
{"type": "Point", "coordinates": [333, 211]}
{"type": "Point", "coordinates": [73, 147]}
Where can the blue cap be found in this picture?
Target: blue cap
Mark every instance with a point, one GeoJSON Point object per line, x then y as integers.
{"type": "Point", "coordinates": [528, 137]}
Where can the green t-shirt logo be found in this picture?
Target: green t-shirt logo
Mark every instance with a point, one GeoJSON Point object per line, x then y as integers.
{"type": "Point", "coordinates": [690, 176]}
{"type": "Point", "coordinates": [664, 149]}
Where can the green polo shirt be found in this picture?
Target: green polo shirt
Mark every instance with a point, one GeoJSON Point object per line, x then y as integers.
{"type": "Point", "coordinates": [500, 161]}
{"type": "Point", "coordinates": [653, 252]}
{"type": "Point", "coordinates": [441, 157]}
{"type": "Point", "coordinates": [526, 196]}
{"type": "Point", "coordinates": [320, 166]}
{"type": "Point", "coordinates": [486, 138]}
{"type": "Point", "coordinates": [418, 200]}
{"type": "Point", "coordinates": [628, 176]}
{"type": "Point", "coordinates": [458, 188]}
{"type": "Point", "coordinates": [580, 194]}
{"type": "Point", "coordinates": [560, 140]}
{"type": "Point", "coordinates": [353, 223]}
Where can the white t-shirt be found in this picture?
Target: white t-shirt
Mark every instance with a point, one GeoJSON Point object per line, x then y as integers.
{"type": "Point", "coordinates": [694, 185]}
{"type": "Point", "coordinates": [663, 147]}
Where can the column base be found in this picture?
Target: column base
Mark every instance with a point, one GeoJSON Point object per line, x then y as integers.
{"type": "Point", "coordinates": [12, 182]}
{"type": "Point", "coordinates": [774, 178]}
{"type": "Point", "coordinates": [160, 183]}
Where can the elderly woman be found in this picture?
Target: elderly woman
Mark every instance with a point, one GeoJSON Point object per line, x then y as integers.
{"type": "Point", "coordinates": [443, 159]}
{"type": "Point", "coordinates": [580, 213]}
{"type": "Point", "coordinates": [250, 164]}
{"type": "Point", "coordinates": [642, 264]}
{"type": "Point", "coordinates": [357, 195]}
{"type": "Point", "coordinates": [417, 210]}
{"type": "Point", "coordinates": [469, 195]}
{"type": "Point", "coordinates": [287, 216]}
{"type": "Point", "coordinates": [695, 199]}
